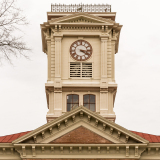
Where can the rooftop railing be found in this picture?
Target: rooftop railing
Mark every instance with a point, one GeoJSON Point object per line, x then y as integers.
{"type": "Point", "coordinates": [80, 8]}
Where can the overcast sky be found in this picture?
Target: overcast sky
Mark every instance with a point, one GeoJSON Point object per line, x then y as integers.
{"type": "Point", "coordinates": [23, 105]}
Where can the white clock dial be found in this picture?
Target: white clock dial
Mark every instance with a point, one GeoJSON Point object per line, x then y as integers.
{"type": "Point", "coordinates": [81, 50]}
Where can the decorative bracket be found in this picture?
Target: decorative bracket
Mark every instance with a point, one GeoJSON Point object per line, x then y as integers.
{"type": "Point", "coordinates": [104, 126]}
{"type": "Point", "coordinates": [23, 151]}
{"type": "Point", "coordinates": [73, 117]}
{"type": "Point", "coordinates": [66, 122]}
{"type": "Point", "coordinates": [89, 118]}
{"type": "Point", "coordinates": [52, 149]}
{"type": "Point", "coordinates": [127, 151]}
{"type": "Point", "coordinates": [96, 123]}
{"type": "Point", "coordinates": [50, 129]}
{"type": "Point", "coordinates": [99, 149]}
{"type": "Point", "coordinates": [136, 151]}
{"type": "Point", "coordinates": [81, 114]}
{"type": "Point", "coordinates": [43, 135]}
{"type": "Point", "coordinates": [33, 151]}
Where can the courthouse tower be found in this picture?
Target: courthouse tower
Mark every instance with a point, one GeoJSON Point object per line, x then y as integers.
{"type": "Point", "coordinates": [81, 42]}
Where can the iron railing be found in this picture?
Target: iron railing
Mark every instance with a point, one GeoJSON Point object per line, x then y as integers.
{"type": "Point", "coordinates": [80, 8]}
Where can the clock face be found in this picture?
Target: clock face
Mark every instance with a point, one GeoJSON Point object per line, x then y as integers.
{"type": "Point", "coordinates": [81, 50]}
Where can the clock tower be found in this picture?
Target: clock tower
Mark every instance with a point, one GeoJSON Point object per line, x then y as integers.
{"type": "Point", "coordinates": [81, 42]}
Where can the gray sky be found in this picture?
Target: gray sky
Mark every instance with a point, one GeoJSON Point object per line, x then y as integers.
{"type": "Point", "coordinates": [23, 104]}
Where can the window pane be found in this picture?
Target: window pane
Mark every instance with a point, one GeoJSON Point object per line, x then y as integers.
{"type": "Point", "coordinates": [69, 98]}
{"type": "Point", "coordinates": [69, 107]}
{"type": "Point", "coordinates": [86, 105]}
{"type": "Point", "coordinates": [86, 98]}
{"type": "Point", "coordinates": [75, 98]}
{"type": "Point", "coordinates": [92, 99]}
{"type": "Point", "coordinates": [74, 106]}
{"type": "Point", "coordinates": [92, 107]}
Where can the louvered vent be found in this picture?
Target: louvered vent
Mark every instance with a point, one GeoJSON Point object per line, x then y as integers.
{"type": "Point", "coordinates": [78, 69]}
{"type": "Point", "coordinates": [86, 69]}
{"type": "Point", "coordinates": [75, 69]}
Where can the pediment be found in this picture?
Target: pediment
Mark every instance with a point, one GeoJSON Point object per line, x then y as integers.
{"type": "Point", "coordinates": [82, 18]}
{"type": "Point", "coordinates": [81, 135]}
{"type": "Point", "coordinates": [80, 117]}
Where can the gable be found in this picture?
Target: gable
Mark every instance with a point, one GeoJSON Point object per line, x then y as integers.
{"type": "Point", "coordinates": [81, 18]}
{"type": "Point", "coordinates": [78, 117]}
{"type": "Point", "coordinates": [81, 135]}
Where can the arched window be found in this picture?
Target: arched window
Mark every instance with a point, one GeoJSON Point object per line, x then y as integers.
{"type": "Point", "coordinates": [72, 101]}
{"type": "Point", "coordinates": [89, 102]}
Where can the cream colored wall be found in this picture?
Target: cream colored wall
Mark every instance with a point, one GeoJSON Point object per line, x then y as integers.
{"type": "Point", "coordinates": [95, 58]}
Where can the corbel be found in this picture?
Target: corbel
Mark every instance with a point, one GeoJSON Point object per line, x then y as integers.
{"type": "Point", "coordinates": [43, 149]}
{"type": "Point", "coordinates": [81, 114]}
{"type": "Point", "coordinates": [136, 151]}
{"type": "Point", "coordinates": [157, 150]}
{"type": "Point", "coordinates": [108, 148]}
{"type": "Point", "coordinates": [102, 28]}
{"type": "Point", "coordinates": [104, 126]}
{"type": "Point", "coordinates": [35, 138]}
{"type": "Point", "coordinates": [43, 135]}
{"type": "Point", "coordinates": [89, 149]}
{"type": "Point", "coordinates": [11, 150]}
{"type": "Point", "coordinates": [99, 149]}
{"type": "Point", "coordinates": [111, 130]}
{"type": "Point", "coordinates": [106, 28]}
{"type": "Point", "coordinates": [58, 125]}
{"type": "Point", "coordinates": [127, 137]}
{"type": "Point", "coordinates": [55, 27]}
{"type": "Point", "coordinates": [33, 151]}
{"type": "Point", "coordinates": [50, 130]}
{"type": "Point", "coordinates": [127, 151]}
{"type": "Point", "coordinates": [45, 34]}
{"type": "Point", "coordinates": [89, 118]}
{"type": "Point", "coordinates": [96, 123]}
{"type": "Point", "coordinates": [4, 150]}
{"type": "Point", "coordinates": [119, 134]}
{"type": "Point", "coordinates": [73, 117]}
{"type": "Point", "coordinates": [61, 149]}
{"type": "Point", "coordinates": [52, 149]}
{"type": "Point", "coordinates": [149, 149]}
{"type": "Point", "coordinates": [70, 149]}
{"type": "Point", "coordinates": [117, 149]}
{"type": "Point", "coordinates": [59, 27]}
{"type": "Point", "coordinates": [23, 151]}
{"type": "Point", "coordinates": [80, 149]}
{"type": "Point", "coordinates": [113, 33]}
{"type": "Point", "coordinates": [109, 31]}
{"type": "Point", "coordinates": [66, 122]}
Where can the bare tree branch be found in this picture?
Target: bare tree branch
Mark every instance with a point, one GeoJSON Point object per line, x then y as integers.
{"type": "Point", "coordinates": [10, 20]}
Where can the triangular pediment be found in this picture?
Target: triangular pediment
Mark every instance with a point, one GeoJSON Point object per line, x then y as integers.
{"type": "Point", "coordinates": [80, 117]}
{"type": "Point", "coordinates": [81, 135]}
{"type": "Point", "coordinates": [82, 18]}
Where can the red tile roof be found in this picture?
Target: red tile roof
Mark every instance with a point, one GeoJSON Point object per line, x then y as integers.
{"type": "Point", "coordinates": [10, 138]}
{"type": "Point", "coordinates": [151, 138]}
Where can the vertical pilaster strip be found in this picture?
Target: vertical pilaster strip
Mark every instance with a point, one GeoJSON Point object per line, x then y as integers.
{"type": "Point", "coordinates": [104, 57]}
{"type": "Point", "coordinates": [52, 58]}
{"type": "Point", "coordinates": [58, 57]}
{"type": "Point", "coordinates": [49, 59]}
{"type": "Point", "coordinates": [113, 61]}
{"type": "Point", "coordinates": [109, 59]}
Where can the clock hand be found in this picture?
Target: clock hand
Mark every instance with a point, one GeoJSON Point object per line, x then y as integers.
{"type": "Point", "coordinates": [84, 51]}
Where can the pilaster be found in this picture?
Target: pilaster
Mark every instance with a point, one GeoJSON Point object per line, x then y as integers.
{"type": "Point", "coordinates": [49, 58]}
{"type": "Point", "coordinates": [58, 40]}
